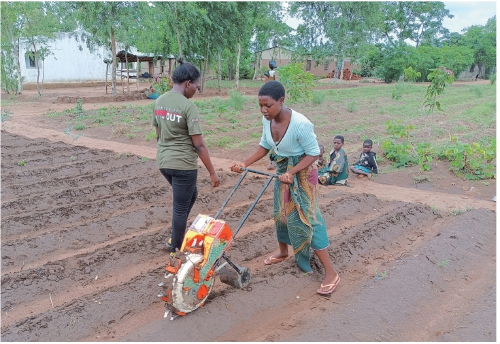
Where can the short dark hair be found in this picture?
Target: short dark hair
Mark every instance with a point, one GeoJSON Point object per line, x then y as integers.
{"type": "Point", "coordinates": [273, 89]}
{"type": "Point", "coordinates": [340, 137]}
{"type": "Point", "coordinates": [185, 71]}
{"type": "Point", "coordinates": [368, 142]}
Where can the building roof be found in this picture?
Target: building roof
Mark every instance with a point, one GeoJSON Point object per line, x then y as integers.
{"type": "Point", "coordinates": [139, 57]}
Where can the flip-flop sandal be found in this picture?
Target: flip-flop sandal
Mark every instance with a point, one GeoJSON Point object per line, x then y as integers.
{"type": "Point", "coordinates": [273, 260]}
{"type": "Point", "coordinates": [330, 286]}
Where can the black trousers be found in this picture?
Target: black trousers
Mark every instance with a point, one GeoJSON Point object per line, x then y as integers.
{"type": "Point", "coordinates": [184, 195]}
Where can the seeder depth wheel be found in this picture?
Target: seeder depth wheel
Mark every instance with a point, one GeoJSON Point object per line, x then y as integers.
{"type": "Point", "coordinates": [186, 294]}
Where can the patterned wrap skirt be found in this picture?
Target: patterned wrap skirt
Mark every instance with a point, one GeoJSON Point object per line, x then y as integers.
{"type": "Point", "coordinates": [298, 220]}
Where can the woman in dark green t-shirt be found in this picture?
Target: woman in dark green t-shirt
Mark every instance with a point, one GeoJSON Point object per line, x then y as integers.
{"type": "Point", "coordinates": [180, 143]}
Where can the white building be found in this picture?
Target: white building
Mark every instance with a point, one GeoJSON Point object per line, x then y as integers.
{"type": "Point", "coordinates": [70, 60]}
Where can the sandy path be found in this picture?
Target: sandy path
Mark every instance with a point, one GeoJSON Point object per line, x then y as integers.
{"type": "Point", "coordinates": [442, 201]}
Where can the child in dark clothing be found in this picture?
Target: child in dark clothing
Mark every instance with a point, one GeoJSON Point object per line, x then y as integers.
{"type": "Point", "coordinates": [367, 163]}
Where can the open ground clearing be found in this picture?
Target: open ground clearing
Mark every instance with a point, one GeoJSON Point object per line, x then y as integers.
{"type": "Point", "coordinates": [85, 220]}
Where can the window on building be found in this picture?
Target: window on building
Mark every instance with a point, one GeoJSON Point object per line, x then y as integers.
{"type": "Point", "coordinates": [327, 65]}
{"type": "Point", "coordinates": [30, 60]}
{"type": "Point", "coordinates": [308, 65]}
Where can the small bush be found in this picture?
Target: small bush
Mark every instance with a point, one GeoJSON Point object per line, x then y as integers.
{"type": "Point", "coordinates": [79, 126]}
{"type": "Point", "coordinates": [236, 100]}
{"type": "Point", "coordinates": [476, 90]}
{"type": "Point", "coordinates": [493, 78]}
{"type": "Point", "coordinates": [79, 106]}
{"type": "Point", "coordinates": [298, 83]}
{"type": "Point", "coordinates": [318, 97]}
{"type": "Point", "coordinates": [151, 135]}
{"type": "Point", "coordinates": [352, 106]}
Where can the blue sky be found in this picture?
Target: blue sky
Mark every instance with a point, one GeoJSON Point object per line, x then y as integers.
{"type": "Point", "coordinates": [468, 13]}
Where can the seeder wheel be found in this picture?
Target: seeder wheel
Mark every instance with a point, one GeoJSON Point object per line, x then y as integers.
{"type": "Point", "coordinates": [188, 295]}
{"type": "Point", "coordinates": [231, 277]}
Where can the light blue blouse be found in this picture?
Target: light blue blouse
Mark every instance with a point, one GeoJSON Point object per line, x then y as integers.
{"type": "Point", "coordinates": [299, 138]}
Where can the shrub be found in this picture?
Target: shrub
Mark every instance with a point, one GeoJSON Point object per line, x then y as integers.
{"type": "Point", "coordinates": [471, 161]}
{"type": "Point", "coordinates": [151, 135]}
{"type": "Point", "coordinates": [411, 75]}
{"type": "Point", "coordinates": [79, 126]}
{"type": "Point", "coordinates": [493, 78]}
{"type": "Point", "coordinates": [298, 83]}
{"type": "Point", "coordinates": [352, 106]}
{"type": "Point", "coordinates": [236, 100]}
{"type": "Point", "coordinates": [318, 97]}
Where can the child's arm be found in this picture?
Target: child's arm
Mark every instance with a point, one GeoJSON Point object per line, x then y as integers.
{"type": "Point", "coordinates": [373, 163]}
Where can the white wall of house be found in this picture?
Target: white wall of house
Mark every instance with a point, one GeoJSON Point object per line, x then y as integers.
{"type": "Point", "coordinates": [70, 61]}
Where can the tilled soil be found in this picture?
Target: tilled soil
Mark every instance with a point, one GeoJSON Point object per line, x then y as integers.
{"type": "Point", "coordinates": [83, 250]}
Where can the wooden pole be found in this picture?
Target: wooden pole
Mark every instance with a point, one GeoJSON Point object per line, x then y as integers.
{"type": "Point", "coordinates": [128, 75]}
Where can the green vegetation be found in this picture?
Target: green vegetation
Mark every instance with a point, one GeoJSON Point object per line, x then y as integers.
{"type": "Point", "coordinates": [443, 263]}
{"type": "Point", "coordinates": [297, 81]}
{"type": "Point", "coordinates": [463, 133]}
{"type": "Point", "coordinates": [151, 135]}
{"type": "Point", "coordinates": [21, 163]}
{"type": "Point", "coordinates": [6, 115]}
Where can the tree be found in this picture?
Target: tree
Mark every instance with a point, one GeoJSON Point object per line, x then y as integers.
{"type": "Point", "coordinates": [343, 29]}
{"type": "Point", "coordinates": [413, 20]}
{"type": "Point", "coordinates": [40, 26]}
{"type": "Point", "coordinates": [33, 23]}
{"type": "Point", "coordinates": [11, 35]}
{"type": "Point", "coordinates": [482, 40]}
{"type": "Point", "coordinates": [268, 30]}
{"type": "Point", "coordinates": [101, 19]}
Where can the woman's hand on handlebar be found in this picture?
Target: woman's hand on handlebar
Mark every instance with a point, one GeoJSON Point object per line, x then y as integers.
{"type": "Point", "coordinates": [215, 180]}
{"type": "Point", "coordinates": [237, 167]}
{"type": "Point", "coordinates": [286, 178]}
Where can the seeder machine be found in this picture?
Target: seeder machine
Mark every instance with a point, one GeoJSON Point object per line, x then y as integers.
{"type": "Point", "coordinates": [189, 276]}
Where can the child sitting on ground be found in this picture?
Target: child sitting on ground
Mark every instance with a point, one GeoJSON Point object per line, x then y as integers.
{"type": "Point", "coordinates": [367, 163]}
{"type": "Point", "coordinates": [336, 172]}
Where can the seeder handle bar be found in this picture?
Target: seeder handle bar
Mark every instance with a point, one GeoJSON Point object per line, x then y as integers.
{"type": "Point", "coordinates": [246, 170]}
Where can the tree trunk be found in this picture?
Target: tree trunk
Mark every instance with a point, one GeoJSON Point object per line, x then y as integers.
{"type": "Point", "coordinates": [230, 68]}
{"type": "Point", "coordinates": [43, 76]}
{"type": "Point", "coordinates": [37, 69]}
{"type": "Point", "coordinates": [238, 65]}
{"type": "Point", "coordinates": [113, 67]}
{"type": "Point", "coordinates": [342, 70]}
{"type": "Point", "coordinates": [177, 31]}
{"type": "Point", "coordinates": [19, 76]}
{"type": "Point", "coordinates": [204, 78]}
{"type": "Point", "coordinates": [258, 60]}
{"type": "Point", "coordinates": [219, 71]}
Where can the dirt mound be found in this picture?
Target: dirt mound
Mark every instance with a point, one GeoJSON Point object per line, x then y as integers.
{"type": "Point", "coordinates": [83, 238]}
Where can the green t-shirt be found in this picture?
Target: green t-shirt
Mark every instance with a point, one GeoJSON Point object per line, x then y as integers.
{"type": "Point", "coordinates": [177, 118]}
